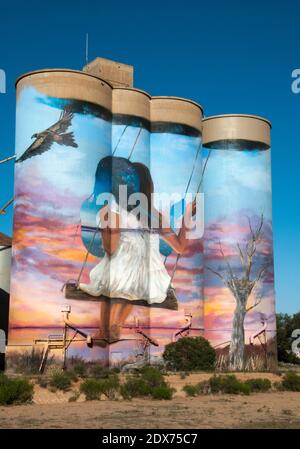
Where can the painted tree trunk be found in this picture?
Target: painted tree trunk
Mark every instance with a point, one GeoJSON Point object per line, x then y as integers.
{"type": "Point", "coordinates": [237, 344]}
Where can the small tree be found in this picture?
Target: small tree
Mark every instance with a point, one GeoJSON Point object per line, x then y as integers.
{"type": "Point", "coordinates": [189, 354]}
{"type": "Point", "coordinates": [241, 286]}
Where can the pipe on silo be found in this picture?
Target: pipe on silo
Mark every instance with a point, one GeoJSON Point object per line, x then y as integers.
{"type": "Point", "coordinates": [238, 243]}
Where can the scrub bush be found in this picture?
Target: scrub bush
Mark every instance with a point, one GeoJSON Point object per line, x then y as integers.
{"type": "Point", "coordinates": [190, 354]}
{"type": "Point", "coordinates": [162, 392]}
{"type": "Point", "coordinates": [152, 376]}
{"type": "Point", "coordinates": [135, 387]}
{"type": "Point", "coordinates": [80, 370]}
{"type": "Point", "coordinates": [15, 391]}
{"type": "Point", "coordinates": [149, 382]}
{"type": "Point", "coordinates": [92, 389]}
{"type": "Point", "coordinates": [191, 390]}
{"type": "Point", "coordinates": [98, 372]}
{"type": "Point", "coordinates": [110, 386]}
{"type": "Point", "coordinates": [60, 381]}
{"type": "Point", "coordinates": [291, 381]}
{"type": "Point", "coordinates": [228, 384]}
{"type": "Point", "coordinates": [197, 389]}
{"type": "Point", "coordinates": [259, 385]}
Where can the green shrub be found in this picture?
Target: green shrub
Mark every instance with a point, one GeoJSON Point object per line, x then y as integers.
{"type": "Point", "coordinates": [258, 385]}
{"type": "Point", "coordinates": [152, 376]}
{"type": "Point", "coordinates": [80, 370]}
{"type": "Point", "coordinates": [98, 372]}
{"type": "Point", "coordinates": [228, 385]}
{"type": "Point", "coordinates": [61, 381]}
{"type": "Point", "coordinates": [92, 389]}
{"type": "Point", "coordinates": [110, 386]}
{"type": "Point", "coordinates": [162, 392]}
{"type": "Point", "coordinates": [71, 375]}
{"type": "Point", "coordinates": [15, 391]}
{"type": "Point", "coordinates": [291, 381]}
{"type": "Point", "coordinates": [135, 387]}
{"type": "Point", "coordinates": [191, 390]}
{"type": "Point", "coordinates": [195, 390]}
{"type": "Point", "coordinates": [149, 382]}
{"type": "Point", "coordinates": [190, 354]}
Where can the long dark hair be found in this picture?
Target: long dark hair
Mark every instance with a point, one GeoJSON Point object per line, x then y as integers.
{"type": "Point", "coordinates": [113, 171]}
{"type": "Point", "coordinates": [146, 185]}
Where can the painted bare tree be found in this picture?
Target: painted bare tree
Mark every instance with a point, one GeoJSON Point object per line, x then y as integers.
{"type": "Point", "coordinates": [241, 286]}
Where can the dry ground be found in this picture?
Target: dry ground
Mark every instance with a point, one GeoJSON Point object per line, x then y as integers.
{"type": "Point", "coordinates": [262, 410]}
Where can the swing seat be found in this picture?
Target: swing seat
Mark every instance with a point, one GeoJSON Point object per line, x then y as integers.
{"type": "Point", "coordinates": [72, 292]}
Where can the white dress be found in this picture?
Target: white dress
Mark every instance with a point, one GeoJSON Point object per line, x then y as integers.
{"type": "Point", "coordinates": [136, 269]}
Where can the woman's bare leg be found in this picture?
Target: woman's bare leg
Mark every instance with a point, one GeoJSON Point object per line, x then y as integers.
{"type": "Point", "coordinates": [119, 315]}
{"type": "Point", "coordinates": [104, 319]}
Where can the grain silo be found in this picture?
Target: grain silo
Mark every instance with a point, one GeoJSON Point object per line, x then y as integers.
{"type": "Point", "coordinates": [238, 246]}
{"type": "Point", "coordinates": [64, 123]}
{"type": "Point", "coordinates": [176, 166]}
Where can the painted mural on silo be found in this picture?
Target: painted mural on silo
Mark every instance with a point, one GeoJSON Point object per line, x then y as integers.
{"type": "Point", "coordinates": [119, 281]}
{"type": "Point", "coordinates": [84, 236]}
{"type": "Point", "coordinates": [62, 133]}
{"type": "Point", "coordinates": [240, 319]}
{"type": "Point", "coordinates": [176, 166]}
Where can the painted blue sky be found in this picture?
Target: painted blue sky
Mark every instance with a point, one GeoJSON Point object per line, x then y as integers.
{"type": "Point", "coordinates": [229, 56]}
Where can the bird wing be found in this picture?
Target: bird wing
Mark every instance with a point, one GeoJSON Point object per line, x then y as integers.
{"type": "Point", "coordinates": [63, 123]}
{"type": "Point", "coordinates": [39, 146]}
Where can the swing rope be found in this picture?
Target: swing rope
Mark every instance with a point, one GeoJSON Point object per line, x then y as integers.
{"type": "Point", "coordinates": [137, 138]}
{"type": "Point", "coordinates": [199, 187]}
{"type": "Point", "coordinates": [187, 188]}
{"type": "Point", "coordinates": [120, 138]}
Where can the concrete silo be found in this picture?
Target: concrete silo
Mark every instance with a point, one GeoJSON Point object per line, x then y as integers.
{"type": "Point", "coordinates": [63, 130]}
{"type": "Point", "coordinates": [176, 166]}
{"type": "Point", "coordinates": [239, 311]}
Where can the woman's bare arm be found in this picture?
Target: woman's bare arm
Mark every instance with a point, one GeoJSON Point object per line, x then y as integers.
{"type": "Point", "coordinates": [179, 242]}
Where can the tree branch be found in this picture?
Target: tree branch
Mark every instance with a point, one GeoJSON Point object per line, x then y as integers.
{"type": "Point", "coordinates": [216, 273]}
{"type": "Point", "coordinates": [256, 303]}
{"type": "Point", "coordinates": [226, 260]}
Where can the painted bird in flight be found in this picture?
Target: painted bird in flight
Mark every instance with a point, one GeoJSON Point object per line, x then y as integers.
{"type": "Point", "coordinates": [54, 134]}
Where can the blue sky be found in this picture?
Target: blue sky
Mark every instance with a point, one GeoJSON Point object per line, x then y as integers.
{"type": "Point", "coordinates": [229, 56]}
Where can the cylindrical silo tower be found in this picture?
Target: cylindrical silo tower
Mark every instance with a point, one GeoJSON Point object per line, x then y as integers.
{"type": "Point", "coordinates": [130, 265]}
{"type": "Point", "coordinates": [176, 167]}
{"type": "Point", "coordinates": [63, 130]}
{"type": "Point", "coordinates": [239, 308]}
{"type": "Point", "coordinates": [5, 263]}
